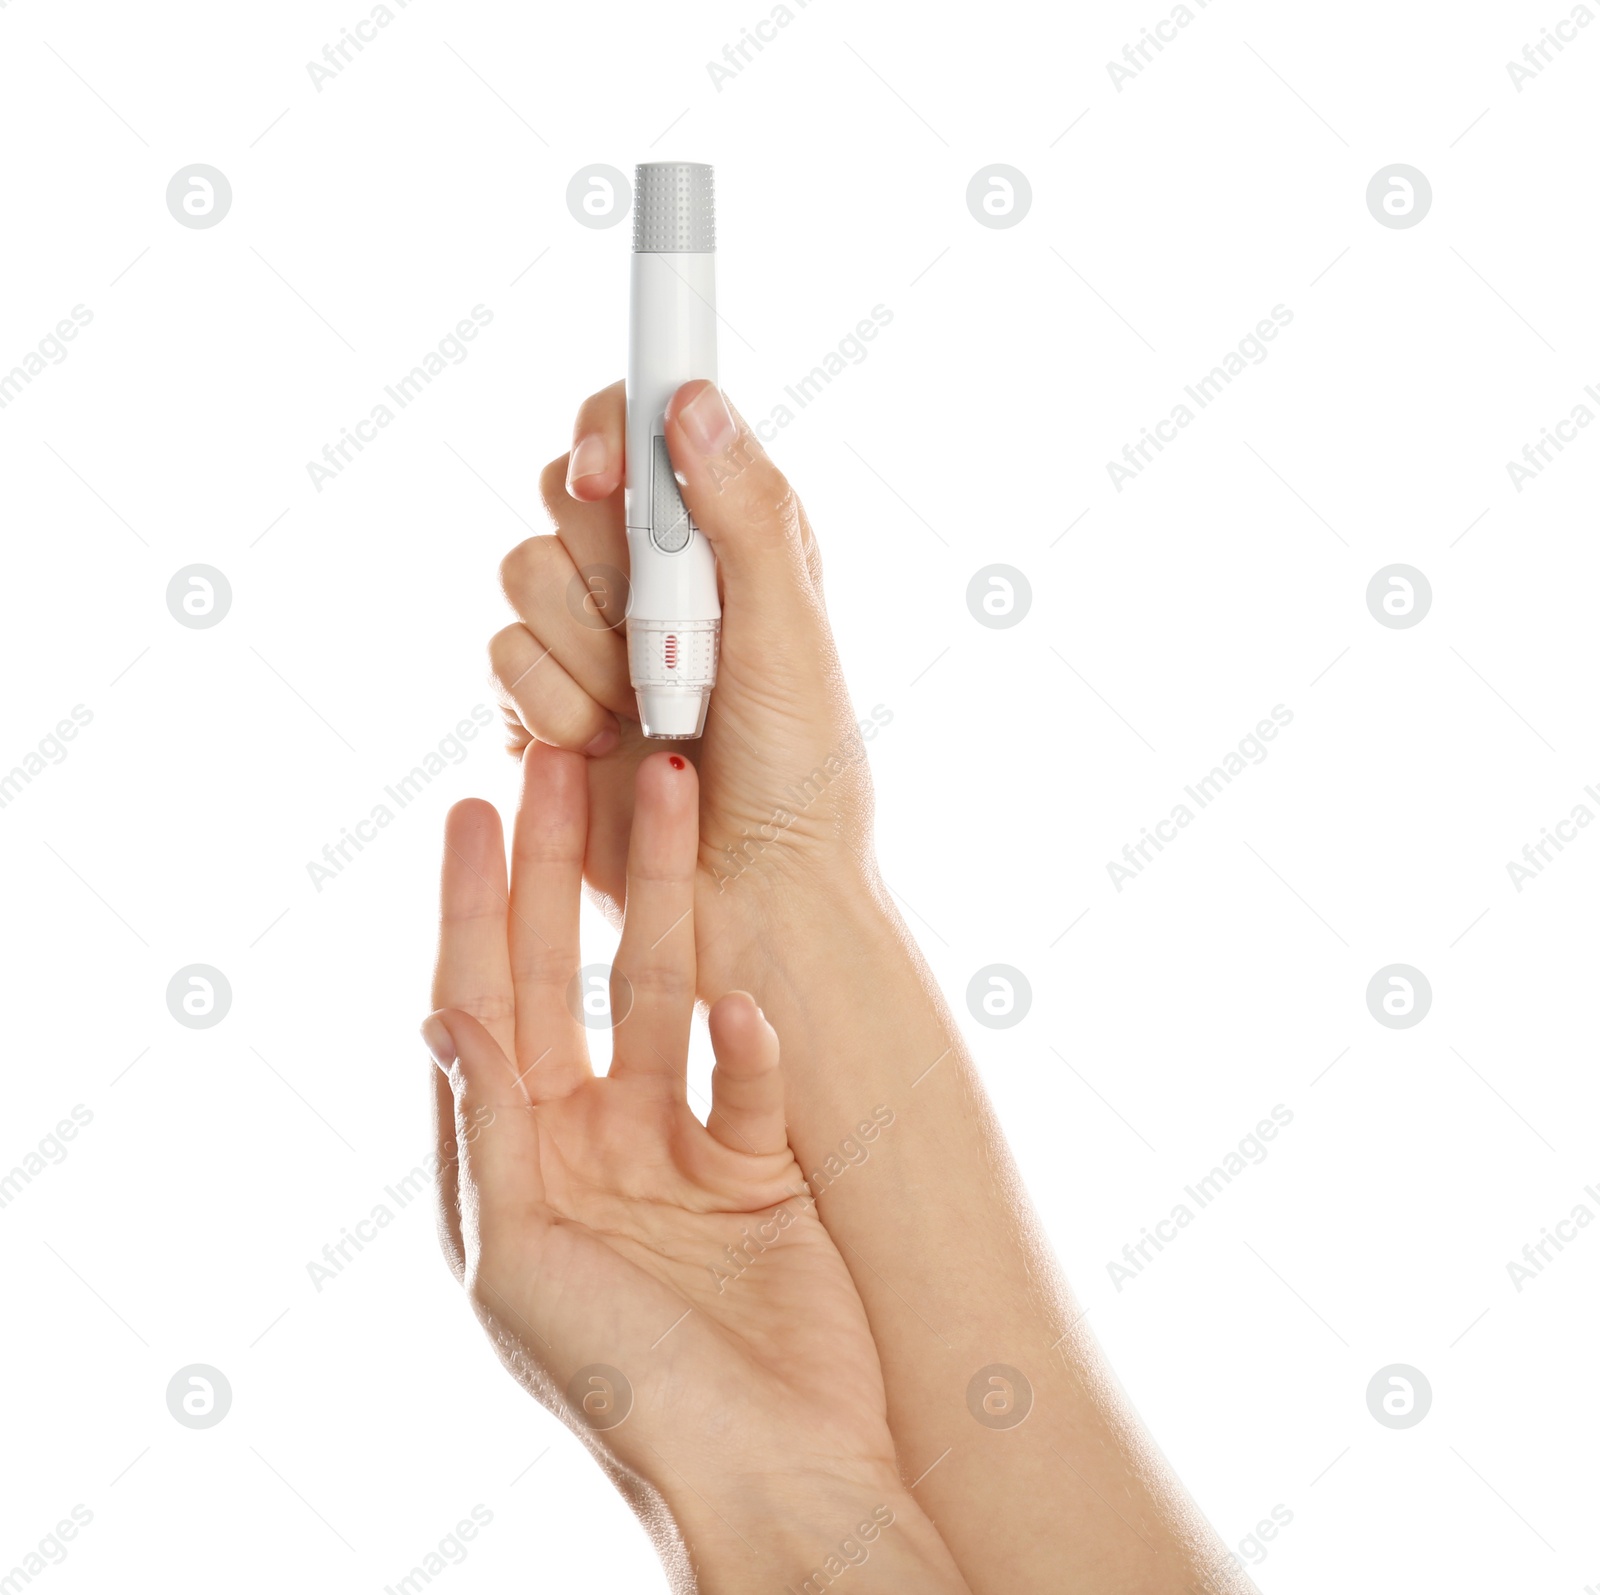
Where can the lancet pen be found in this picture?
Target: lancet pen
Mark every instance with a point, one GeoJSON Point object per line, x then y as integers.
{"type": "Point", "coordinates": [674, 616]}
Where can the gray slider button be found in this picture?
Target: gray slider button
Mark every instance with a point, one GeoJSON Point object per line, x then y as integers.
{"type": "Point", "coordinates": [669, 519]}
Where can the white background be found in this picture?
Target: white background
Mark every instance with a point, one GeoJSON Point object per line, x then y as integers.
{"type": "Point", "coordinates": [1167, 218]}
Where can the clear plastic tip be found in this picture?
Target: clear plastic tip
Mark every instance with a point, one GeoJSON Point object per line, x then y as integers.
{"type": "Point", "coordinates": [676, 714]}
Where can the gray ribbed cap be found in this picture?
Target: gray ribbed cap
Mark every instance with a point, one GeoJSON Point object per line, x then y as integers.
{"type": "Point", "coordinates": [673, 210]}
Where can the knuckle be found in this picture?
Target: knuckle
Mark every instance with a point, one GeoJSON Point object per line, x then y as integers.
{"type": "Point", "coordinates": [553, 487]}
{"type": "Point", "coordinates": [522, 569]}
{"type": "Point", "coordinates": [593, 414]}
{"type": "Point", "coordinates": [601, 412]}
{"type": "Point", "coordinates": [489, 1010]}
{"type": "Point", "coordinates": [507, 649]}
{"type": "Point", "coordinates": [542, 838]}
{"type": "Point", "coordinates": [762, 494]}
{"type": "Point", "coordinates": [568, 720]}
{"type": "Point", "coordinates": [517, 736]}
{"type": "Point", "coordinates": [546, 702]}
{"type": "Point", "coordinates": [547, 969]}
{"type": "Point", "coordinates": [661, 981]}
{"type": "Point", "coordinates": [787, 515]}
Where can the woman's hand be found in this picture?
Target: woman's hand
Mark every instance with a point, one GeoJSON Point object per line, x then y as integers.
{"type": "Point", "coordinates": [949, 1260]}
{"type": "Point", "coordinates": [664, 1286]}
{"type": "Point", "coordinates": [786, 801]}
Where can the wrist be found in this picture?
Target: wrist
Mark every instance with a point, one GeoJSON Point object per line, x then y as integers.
{"type": "Point", "coordinates": [796, 1535]}
{"type": "Point", "coordinates": [782, 931]}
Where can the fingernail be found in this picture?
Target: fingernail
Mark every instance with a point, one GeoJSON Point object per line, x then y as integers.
{"type": "Point", "coordinates": [438, 1041]}
{"type": "Point", "coordinates": [602, 744]}
{"type": "Point", "coordinates": [590, 457]}
{"type": "Point", "coordinates": [706, 421]}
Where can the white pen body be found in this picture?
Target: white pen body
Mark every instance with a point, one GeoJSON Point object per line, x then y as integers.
{"type": "Point", "coordinates": [674, 616]}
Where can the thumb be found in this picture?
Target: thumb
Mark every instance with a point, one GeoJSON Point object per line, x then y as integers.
{"type": "Point", "coordinates": [745, 506]}
{"type": "Point", "coordinates": [747, 1083]}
